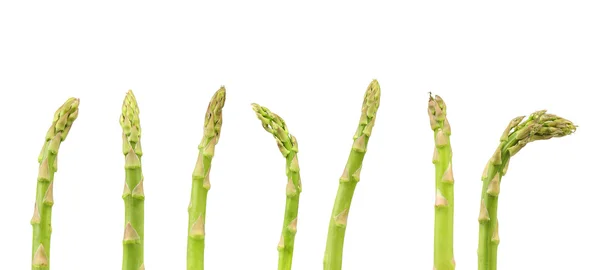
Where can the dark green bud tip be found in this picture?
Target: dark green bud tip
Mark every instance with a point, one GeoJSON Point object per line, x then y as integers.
{"type": "Point", "coordinates": [372, 98]}
{"type": "Point", "coordinates": [130, 120]}
{"type": "Point", "coordinates": [542, 126]}
{"type": "Point", "coordinates": [213, 118]}
{"type": "Point", "coordinates": [275, 125]}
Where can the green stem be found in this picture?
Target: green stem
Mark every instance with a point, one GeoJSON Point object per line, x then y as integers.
{"type": "Point", "coordinates": [341, 209]}
{"type": "Point", "coordinates": [539, 126]}
{"type": "Point", "coordinates": [201, 181]}
{"type": "Point", "coordinates": [488, 226]}
{"type": "Point", "coordinates": [133, 191]}
{"type": "Point", "coordinates": [288, 232]}
{"type": "Point", "coordinates": [288, 146]}
{"type": "Point", "coordinates": [350, 177]}
{"type": "Point", "coordinates": [42, 215]}
{"type": "Point", "coordinates": [444, 184]}
{"type": "Point", "coordinates": [197, 215]}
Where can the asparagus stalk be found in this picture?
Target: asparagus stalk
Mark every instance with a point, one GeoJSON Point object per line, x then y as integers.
{"type": "Point", "coordinates": [349, 179]}
{"type": "Point", "coordinates": [444, 185]}
{"type": "Point", "coordinates": [288, 146]}
{"type": "Point", "coordinates": [200, 181]}
{"type": "Point", "coordinates": [539, 126]}
{"type": "Point", "coordinates": [133, 191]}
{"type": "Point", "coordinates": [42, 213]}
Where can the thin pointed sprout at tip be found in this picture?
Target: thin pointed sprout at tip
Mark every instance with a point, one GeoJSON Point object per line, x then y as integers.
{"type": "Point", "coordinates": [444, 185]}
{"type": "Point", "coordinates": [349, 179]}
{"type": "Point", "coordinates": [538, 126]}
{"type": "Point", "coordinates": [133, 190]}
{"type": "Point", "coordinates": [288, 146]}
{"type": "Point", "coordinates": [213, 121]}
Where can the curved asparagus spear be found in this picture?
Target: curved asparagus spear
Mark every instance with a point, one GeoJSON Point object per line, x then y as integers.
{"type": "Point", "coordinates": [288, 146]}
{"type": "Point", "coordinates": [444, 184]}
{"type": "Point", "coordinates": [200, 181]}
{"type": "Point", "coordinates": [42, 213]}
{"type": "Point", "coordinates": [349, 179]}
{"type": "Point", "coordinates": [133, 191]}
{"type": "Point", "coordinates": [539, 126]}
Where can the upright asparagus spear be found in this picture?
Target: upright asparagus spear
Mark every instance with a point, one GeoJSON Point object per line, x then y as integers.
{"type": "Point", "coordinates": [288, 146]}
{"type": "Point", "coordinates": [349, 179]}
{"type": "Point", "coordinates": [200, 181]}
{"type": "Point", "coordinates": [133, 191]}
{"type": "Point", "coordinates": [539, 126]}
{"type": "Point", "coordinates": [44, 200]}
{"type": "Point", "coordinates": [444, 184]}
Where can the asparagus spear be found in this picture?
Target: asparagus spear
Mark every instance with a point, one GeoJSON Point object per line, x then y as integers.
{"type": "Point", "coordinates": [539, 126]}
{"type": "Point", "coordinates": [288, 146]}
{"type": "Point", "coordinates": [349, 179]}
{"type": "Point", "coordinates": [200, 181]}
{"type": "Point", "coordinates": [42, 213]}
{"type": "Point", "coordinates": [133, 191]}
{"type": "Point", "coordinates": [444, 184]}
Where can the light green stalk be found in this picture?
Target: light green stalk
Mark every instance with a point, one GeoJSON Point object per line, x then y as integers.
{"type": "Point", "coordinates": [288, 146]}
{"type": "Point", "coordinates": [44, 200]}
{"type": "Point", "coordinates": [349, 179]}
{"type": "Point", "coordinates": [133, 192]}
{"type": "Point", "coordinates": [201, 181]}
{"type": "Point", "coordinates": [444, 185]}
{"type": "Point", "coordinates": [539, 126]}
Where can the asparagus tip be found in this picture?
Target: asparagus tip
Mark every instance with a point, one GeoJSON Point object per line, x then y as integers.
{"type": "Point", "coordinates": [217, 102]}
{"type": "Point", "coordinates": [275, 125]}
{"type": "Point", "coordinates": [540, 125]}
{"type": "Point", "coordinates": [372, 99]}
{"type": "Point", "coordinates": [130, 120]}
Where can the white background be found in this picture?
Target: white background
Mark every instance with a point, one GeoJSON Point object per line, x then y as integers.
{"type": "Point", "coordinates": [309, 62]}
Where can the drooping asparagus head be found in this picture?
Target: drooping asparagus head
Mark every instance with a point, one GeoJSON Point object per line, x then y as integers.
{"type": "Point", "coordinates": [288, 146]}
{"type": "Point", "coordinates": [538, 126]}
{"type": "Point", "coordinates": [63, 119]}
{"type": "Point", "coordinates": [275, 125]}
